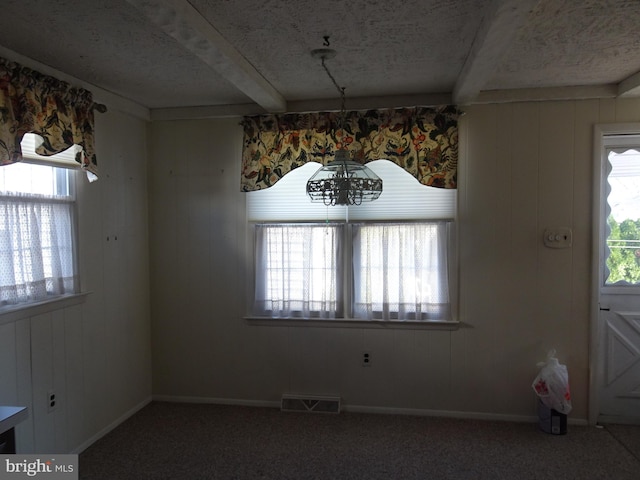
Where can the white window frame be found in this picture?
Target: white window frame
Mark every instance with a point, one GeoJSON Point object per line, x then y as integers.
{"type": "Point", "coordinates": [63, 163]}
{"type": "Point", "coordinates": [296, 207]}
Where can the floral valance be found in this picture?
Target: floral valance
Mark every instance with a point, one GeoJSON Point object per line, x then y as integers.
{"type": "Point", "coordinates": [423, 141]}
{"type": "Point", "coordinates": [61, 114]}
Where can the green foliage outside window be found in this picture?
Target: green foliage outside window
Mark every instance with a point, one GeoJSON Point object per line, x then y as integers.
{"type": "Point", "coordinates": [624, 251]}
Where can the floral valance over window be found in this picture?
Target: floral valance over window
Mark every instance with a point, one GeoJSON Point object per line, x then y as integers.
{"type": "Point", "coordinates": [423, 141]}
{"type": "Point", "coordinates": [61, 114]}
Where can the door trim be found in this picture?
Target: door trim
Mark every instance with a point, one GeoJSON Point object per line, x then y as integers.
{"type": "Point", "coordinates": [599, 175]}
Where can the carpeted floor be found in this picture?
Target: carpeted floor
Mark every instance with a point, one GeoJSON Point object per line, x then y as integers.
{"type": "Point", "coordinates": [190, 441]}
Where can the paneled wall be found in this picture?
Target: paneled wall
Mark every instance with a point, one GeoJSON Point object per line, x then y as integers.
{"type": "Point", "coordinates": [94, 355]}
{"type": "Point", "coordinates": [524, 167]}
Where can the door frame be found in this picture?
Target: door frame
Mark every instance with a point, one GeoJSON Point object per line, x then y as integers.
{"type": "Point", "coordinates": [597, 262]}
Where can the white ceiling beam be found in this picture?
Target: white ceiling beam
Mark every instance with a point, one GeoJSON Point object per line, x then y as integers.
{"type": "Point", "coordinates": [179, 19]}
{"type": "Point", "coordinates": [205, 111]}
{"type": "Point", "coordinates": [301, 106]}
{"type": "Point", "coordinates": [546, 94]}
{"type": "Point", "coordinates": [630, 87]}
{"type": "Point", "coordinates": [495, 35]}
{"type": "Point", "coordinates": [372, 102]}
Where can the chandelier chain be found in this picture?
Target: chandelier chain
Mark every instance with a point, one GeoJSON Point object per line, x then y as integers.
{"type": "Point", "coordinates": [342, 181]}
{"type": "Point", "coordinates": [340, 90]}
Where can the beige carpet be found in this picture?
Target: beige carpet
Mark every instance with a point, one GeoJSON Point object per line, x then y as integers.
{"type": "Point", "coordinates": [189, 441]}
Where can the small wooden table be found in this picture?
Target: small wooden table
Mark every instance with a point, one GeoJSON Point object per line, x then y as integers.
{"type": "Point", "coordinates": [9, 418]}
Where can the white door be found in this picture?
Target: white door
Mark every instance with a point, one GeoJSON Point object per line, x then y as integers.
{"type": "Point", "coordinates": [618, 329]}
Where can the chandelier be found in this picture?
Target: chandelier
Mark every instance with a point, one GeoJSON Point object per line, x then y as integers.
{"type": "Point", "coordinates": [342, 181]}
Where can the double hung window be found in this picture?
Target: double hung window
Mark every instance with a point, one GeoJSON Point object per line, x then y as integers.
{"type": "Point", "coordinates": [37, 227]}
{"type": "Point", "coordinates": [392, 259]}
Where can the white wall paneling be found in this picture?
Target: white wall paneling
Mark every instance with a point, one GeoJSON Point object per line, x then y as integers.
{"type": "Point", "coordinates": [8, 372]}
{"type": "Point", "coordinates": [48, 375]}
{"type": "Point", "coordinates": [175, 283]}
{"type": "Point", "coordinates": [74, 389]}
{"type": "Point", "coordinates": [524, 166]}
{"type": "Point", "coordinates": [95, 356]}
{"type": "Point", "coordinates": [25, 431]}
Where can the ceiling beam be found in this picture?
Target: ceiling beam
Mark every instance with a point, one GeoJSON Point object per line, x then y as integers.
{"type": "Point", "coordinates": [301, 106]}
{"type": "Point", "coordinates": [372, 102]}
{"type": "Point", "coordinates": [495, 35]}
{"type": "Point", "coordinates": [179, 19]}
{"type": "Point", "coordinates": [630, 87]}
{"type": "Point", "coordinates": [547, 94]}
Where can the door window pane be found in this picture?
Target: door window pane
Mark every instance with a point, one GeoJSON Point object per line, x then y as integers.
{"type": "Point", "coordinates": [623, 201]}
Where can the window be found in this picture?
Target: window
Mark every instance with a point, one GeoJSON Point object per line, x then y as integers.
{"type": "Point", "coordinates": [391, 259]}
{"type": "Point", "coordinates": [37, 227]}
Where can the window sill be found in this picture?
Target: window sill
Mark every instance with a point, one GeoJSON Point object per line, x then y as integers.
{"type": "Point", "coordinates": [12, 313]}
{"type": "Point", "coordinates": [353, 323]}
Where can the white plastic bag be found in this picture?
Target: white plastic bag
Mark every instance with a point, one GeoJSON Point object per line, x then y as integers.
{"type": "Point", "coordinates": [552, 385]}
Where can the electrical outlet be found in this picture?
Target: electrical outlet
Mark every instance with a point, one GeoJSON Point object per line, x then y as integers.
{"type": "Point", "coordinates": [51, 401]}
{"type": "Point", "coordinates": [366, 359]}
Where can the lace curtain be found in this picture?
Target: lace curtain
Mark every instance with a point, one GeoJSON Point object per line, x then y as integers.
{"type": "Point", "coordinates": [423, 141]}
{"type": "Point", "coordinates": [36, 248]}
{"type": "Point", "coordinates": [401, 271]}
{"type": "Point", "coordinates": [298, 270]}
{"type": "Point", "coordinates": [61, 114]}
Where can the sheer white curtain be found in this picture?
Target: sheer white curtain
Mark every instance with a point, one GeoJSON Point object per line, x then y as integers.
{"type": "Point", "coordinates": [401, 271]}
{"type": "Point", "coordinates": [36, 248]}
{"type": "Point", "coordinates": [298, 270]}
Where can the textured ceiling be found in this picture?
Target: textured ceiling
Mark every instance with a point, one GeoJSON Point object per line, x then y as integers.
{"type": "Point", "coordinates": [224, 53]}
{"type": "Point", "coordinates": [570, 42]}
{"type": "Point", "coordinates": [384, 48]}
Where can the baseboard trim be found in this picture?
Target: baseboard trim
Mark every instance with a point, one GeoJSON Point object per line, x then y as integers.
{"type": "Point", "coordinates": [82, 447]}
{"type": "Point", "coordinates": [614, 419]}
{"type": "Point", "coordinates": [216, 401]}
{"type": "Point", "coordinates": [424, 412]}
{"type": "Point", "coordinates": [420, 412]}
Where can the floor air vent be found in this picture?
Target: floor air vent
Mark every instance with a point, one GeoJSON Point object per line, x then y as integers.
{"type": "Point", "coordinates": [310, 403]}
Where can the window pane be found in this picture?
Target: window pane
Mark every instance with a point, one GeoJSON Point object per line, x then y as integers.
{"type": "Point", "coordinates": [623, 236]}
{"type": "Point", "coordinates": [401, 271]}
{"type": "Point", "coordinates": [297, 270]}
{"type": "Point", "coordinates": [34, 179]}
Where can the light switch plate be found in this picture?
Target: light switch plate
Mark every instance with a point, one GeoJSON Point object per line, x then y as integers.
{"type": "Point", "coordinates": [558, 237]}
